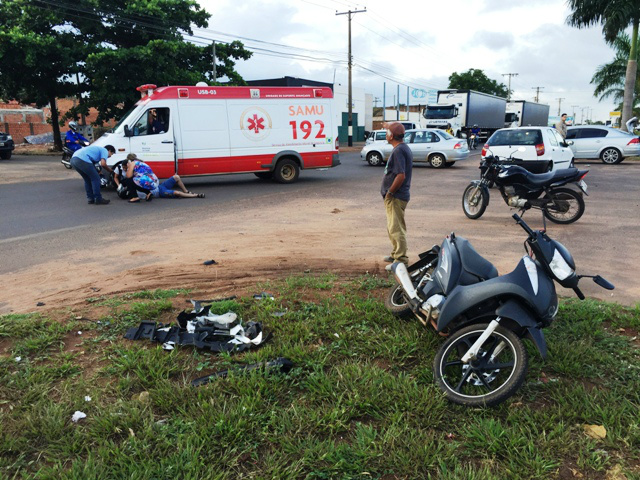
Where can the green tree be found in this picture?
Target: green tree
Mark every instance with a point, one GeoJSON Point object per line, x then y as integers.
{"type": "Point", "coordinates": [103, 49]}
{"type": "Point", "coordinates": [609, 78]}
{"type": "Point", "coordinates": [615, 17]}
{"type": "Point", "coordinates": [475, 79]}
{"type": "Point", "coordinates": [39, 59]}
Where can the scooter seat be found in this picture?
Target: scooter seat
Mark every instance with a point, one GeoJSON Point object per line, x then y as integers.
{"type": "Point", "coordinates": [473, 262]}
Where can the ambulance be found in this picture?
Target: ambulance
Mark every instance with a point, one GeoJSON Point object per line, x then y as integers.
{"type": "Point", "coordinates": [273, 132]}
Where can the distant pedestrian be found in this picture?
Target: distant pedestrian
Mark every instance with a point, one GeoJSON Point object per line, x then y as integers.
{"type": "Point", "coordinates": [561, 125]}
{"type": "Point", "coordinates": [449, 130]}
{"type": "Point", "coordinates": [84, 162]}
{"type": "Point", "coordinates": [396, 184]}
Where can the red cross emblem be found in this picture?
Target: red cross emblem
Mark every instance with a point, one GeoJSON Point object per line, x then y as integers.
{"type": "Point", "coordinates": [256, 124]}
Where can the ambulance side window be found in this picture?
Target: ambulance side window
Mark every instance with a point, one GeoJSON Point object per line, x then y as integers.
{"type": "Point", "coordinates": [152, 122]}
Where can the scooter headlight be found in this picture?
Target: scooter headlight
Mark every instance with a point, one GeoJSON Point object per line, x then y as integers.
{"type": "Point", "coordinates": [559, 266]}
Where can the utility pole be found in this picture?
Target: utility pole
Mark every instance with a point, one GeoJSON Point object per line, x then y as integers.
{"type": "Point", "coordinates": [537, 89]}
{"type": "Point", "coordinates": [215, 76]}
{"type": "Point", "coordinates": [350, 122]}
{"type": "Point", "coordinates": [574, 112]}
{"type": "Point", "coordinates": [559, 104]}
{"type": "Point", "coordinates": [509, 88]}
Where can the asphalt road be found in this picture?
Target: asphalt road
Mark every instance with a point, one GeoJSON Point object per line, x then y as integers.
{"type": "Point", "coordinates": [49, 219]}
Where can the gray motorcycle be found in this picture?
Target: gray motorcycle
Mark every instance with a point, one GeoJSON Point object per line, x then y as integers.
{"type": "Point", "coordinates": [486, 317]}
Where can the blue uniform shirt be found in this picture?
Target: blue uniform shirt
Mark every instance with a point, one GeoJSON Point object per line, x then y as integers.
{"type": "Point", "coordinates": [92, 154]}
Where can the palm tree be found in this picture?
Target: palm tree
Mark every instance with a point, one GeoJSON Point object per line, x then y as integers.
{"type": "Point", "coordinates": [609, 78]}
{"type": "Point", "coordinates": [615, 17]}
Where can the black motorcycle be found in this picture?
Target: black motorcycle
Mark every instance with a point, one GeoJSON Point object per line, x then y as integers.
{"type": "Point", "coordinates": [486, 316]}
{"type": "Point", "coordinates": [524, 190]}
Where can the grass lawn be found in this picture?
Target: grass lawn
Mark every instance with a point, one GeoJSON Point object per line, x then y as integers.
{"type": "Point", "coordinates": [360, 403]}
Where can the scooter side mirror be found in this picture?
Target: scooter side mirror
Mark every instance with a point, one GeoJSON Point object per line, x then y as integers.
{"type": "Point", "coordinates": [603, 283]}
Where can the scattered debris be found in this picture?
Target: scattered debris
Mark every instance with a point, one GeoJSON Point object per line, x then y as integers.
{"type": "Point", "coordinates": [283, 365]}
{"type": "Point", "coordinates": [595, 431]}
{"type": "Point", "coordinates": [78, 415]}
{"type": "Point", "coordinates": [263, 296]}
{"type": "Point", "coordinates": [210, 262]}
{"type": "Point", "coordinates": [197, 304]}
{"type": "Point", "coordinates": [18, 359]}
{"type": "Point", "coordinates": [95, 289]}
{"type": "Point", "coordinates": [79, 317]}
{"type": "Point", "coordinates": [279, 314]}
{"type": "Point", "coordinates": [79, 332]}
{"type": "Point", "coordinates": [87, 398]}
{"type": "Point", "coordinates": [336, 335]}
{"type": "Point", "coordinates": [40, 304]}
{"type": "Point", "coordinates": [202, 329]}
{"type": "Point", "coordinates": [336, 210]}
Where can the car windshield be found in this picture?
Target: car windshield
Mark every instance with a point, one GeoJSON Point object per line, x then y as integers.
{"type": "Point", "coordinates": [439, 112]}
{"type": "Point", "coordinates": [516, 137]}
{"type": "Point", "coordinates": [124, 117]}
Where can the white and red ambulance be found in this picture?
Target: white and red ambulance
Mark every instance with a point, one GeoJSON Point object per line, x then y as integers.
{"type": "Point", "coordinates": [201, 130]}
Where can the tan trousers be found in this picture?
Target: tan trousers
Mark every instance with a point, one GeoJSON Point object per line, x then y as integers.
{"type": "Point", "coordinates": [397, 229]}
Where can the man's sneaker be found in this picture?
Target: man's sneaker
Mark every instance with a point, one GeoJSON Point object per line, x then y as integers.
{"type": "Point", "coordinates": [388, 259]}
{"type": "Point", "coordinates": [388, 267]}
{"type": "Point", "coordinates": [91, 202]}
{"type": "Point", "coordinates": [102, 201]}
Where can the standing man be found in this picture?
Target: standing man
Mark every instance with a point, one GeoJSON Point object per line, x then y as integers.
{"type": "Point", "coordinates": [561, 126]}
{"type": "Point", "coordinates": [395, 191]}
{"type": "Point", "coordinates": [83, 161]}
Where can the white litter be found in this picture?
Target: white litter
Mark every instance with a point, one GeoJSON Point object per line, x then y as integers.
{"type": "Point", "coordinates": [78, 415]}
{"type": "Point", "coordinates": [168, 345]}
{"type": "Point", "coordinates": [87, 398]}
{"type": "Point", "coordinates": [18, 359]}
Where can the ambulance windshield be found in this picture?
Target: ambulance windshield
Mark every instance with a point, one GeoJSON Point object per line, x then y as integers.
{"type": "Point", "coordinates": [123, 120]}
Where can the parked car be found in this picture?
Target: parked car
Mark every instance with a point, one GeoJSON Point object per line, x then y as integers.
{"type": "Point", "coordinates": [6, 146]}
{"type": "Point", "coordinates": [610, 145]}
{"type": "Point", "coordinates": [436, 147]}
{"type": "Point", "coordinates": [545, 149]}
{"type": "Point", "coordinates": [376, 136]}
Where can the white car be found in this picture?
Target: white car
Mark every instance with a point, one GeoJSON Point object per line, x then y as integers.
{"type": "Point", "coordinates": [611, 145]}
{"type": "Point", "coordinates": [376, 136]}
{"type": "Point", "coordinates": [544, 148]}
{"type": "Point", "coordinates": [433, 146]}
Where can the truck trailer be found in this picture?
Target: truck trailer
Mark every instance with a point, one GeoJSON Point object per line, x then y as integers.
{"type": "Point", "coordinates": [521, 113]}
{"type": "Point", "coordinates": [464, 109]}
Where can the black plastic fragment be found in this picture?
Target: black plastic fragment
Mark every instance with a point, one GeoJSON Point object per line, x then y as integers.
{"type": "Point", "coordinates": [144, 330]}
{"type": "Point", "coordinates": [210, 262]}
{"type": "Point", "coordinates": [281, 365]}
{"type": "Point", "coordinates": [40, 304]}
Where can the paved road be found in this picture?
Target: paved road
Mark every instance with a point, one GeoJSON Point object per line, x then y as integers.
{"type": "Point", "coordinates": [45, 220]}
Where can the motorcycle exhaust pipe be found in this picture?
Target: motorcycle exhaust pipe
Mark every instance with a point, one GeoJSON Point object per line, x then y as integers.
{"type": "Point", "coordinates": [401, 273]}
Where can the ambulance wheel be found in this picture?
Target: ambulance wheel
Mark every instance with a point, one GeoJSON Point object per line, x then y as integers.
{"type": "Point", "coordinates": [286, 171]}
{"type": "Point", "coordinates": [264, 175]}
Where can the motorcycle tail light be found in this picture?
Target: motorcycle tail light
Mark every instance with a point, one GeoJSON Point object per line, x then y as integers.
{"type": "Point", "coordinates": [540, 149]}
{"type": "Point", "coordinates": [457, 145]}
{"type": "Point", "coordinates": [583, 175]}
{"type": "Point", "coordinates": [484, 149]}
{"type": "Point", "coordinates": [634, 141]}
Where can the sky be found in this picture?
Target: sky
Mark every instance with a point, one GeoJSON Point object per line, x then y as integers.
{"type": "Point", "coordinates": [419, 44]}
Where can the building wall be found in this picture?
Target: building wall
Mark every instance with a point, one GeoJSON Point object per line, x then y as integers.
{"type": "Point", "coordinates": [20, 121]}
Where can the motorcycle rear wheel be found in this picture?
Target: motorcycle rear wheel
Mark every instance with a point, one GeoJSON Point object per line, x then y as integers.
{"type": "Point", "coordinates": [565, 206]}
{"type": "Point", "coordinates": [474, 201]}
{"type": "Point", "coordinates": [485, 381]}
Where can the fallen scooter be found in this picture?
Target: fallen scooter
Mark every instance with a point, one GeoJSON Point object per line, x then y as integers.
{"type": "Point", "coordinates": [483, 361]}
{"type": "Point", "coordinates": [524, 190]}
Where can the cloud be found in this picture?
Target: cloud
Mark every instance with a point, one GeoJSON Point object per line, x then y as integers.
{"type": "Point", "coordinates": [493, 40]}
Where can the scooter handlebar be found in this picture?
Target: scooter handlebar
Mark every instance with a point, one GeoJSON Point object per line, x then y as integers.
{"type": "Point", "coordinates": [523, 224]}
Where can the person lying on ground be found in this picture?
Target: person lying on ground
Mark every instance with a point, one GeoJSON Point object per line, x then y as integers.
{"type": "Point", "coordinates": [145, 179]}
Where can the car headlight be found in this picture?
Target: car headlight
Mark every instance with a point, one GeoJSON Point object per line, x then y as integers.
{"type": "Point", "coordinates": [9, 137]}
{"type": "Point", "coordinates": [559, 266]}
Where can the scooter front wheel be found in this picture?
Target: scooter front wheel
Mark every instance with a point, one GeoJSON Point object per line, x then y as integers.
{"type": "Point", "coordinates": [496, 374]}
{"type": "Point", "coordinates": [474, 201]}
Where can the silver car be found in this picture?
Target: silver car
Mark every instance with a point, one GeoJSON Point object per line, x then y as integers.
{"type": "Point", "coordinates": [433, 146]}
{"type": "Point", "coordinates": [608, 144]}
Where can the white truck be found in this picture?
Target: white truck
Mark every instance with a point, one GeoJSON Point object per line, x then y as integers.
{"type": "Point", "coordinates": [521, 113]}
{"type": "Point", "coordinates": [464, 110]}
